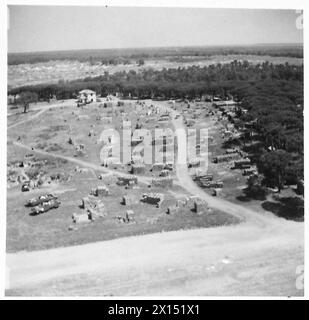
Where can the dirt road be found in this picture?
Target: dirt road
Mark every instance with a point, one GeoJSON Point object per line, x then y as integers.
{"type": "Point", "coordinates": [239, 260]}
{"type": "Point", "coordinates": [237, 210]}
{"type": "Point", "coordinates": [82, 163]}
{"type": "Point", "coordinates": [41, 110]}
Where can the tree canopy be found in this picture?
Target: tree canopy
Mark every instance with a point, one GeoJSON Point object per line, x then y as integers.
{"type": "Point", "coordinates": [25, 98]}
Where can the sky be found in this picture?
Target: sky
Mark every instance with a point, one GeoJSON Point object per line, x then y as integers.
{"type": "Point", "coordinates": [49, 28]}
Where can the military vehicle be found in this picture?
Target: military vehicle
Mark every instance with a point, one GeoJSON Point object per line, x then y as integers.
{"type": "Point", "coordinates": [45, 206]}
{"type": "Point", "coordinates": [39, 200]}
{"type": "Point", "coordinates": [25, 186]}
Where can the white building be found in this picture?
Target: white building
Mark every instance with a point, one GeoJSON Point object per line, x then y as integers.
{"type": "Point", "coordinates": [87, 96]}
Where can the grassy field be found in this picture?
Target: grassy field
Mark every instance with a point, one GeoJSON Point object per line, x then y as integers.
{"type": "Point", "coordinates": [26, 232]}
{"type": "Point", "coordinates": [50, 132]}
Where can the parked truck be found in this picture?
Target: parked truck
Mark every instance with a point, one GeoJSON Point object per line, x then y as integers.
{"type": "Point", "coordinates": [45, 206]}
{"type": "Point", "coordinates": [39, 200]}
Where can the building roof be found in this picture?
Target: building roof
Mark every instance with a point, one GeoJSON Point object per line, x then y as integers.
{"type": "Point", "coordinates": [87, 91]}
{"type": "Point", "coordinates": [225, 103]}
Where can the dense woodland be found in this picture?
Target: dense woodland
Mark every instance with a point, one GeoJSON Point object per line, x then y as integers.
{"type": "Point", "coordinates": [271, 94]}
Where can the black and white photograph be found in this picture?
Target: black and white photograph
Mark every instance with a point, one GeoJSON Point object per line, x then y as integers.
{"type": "Point", "coordinates": [153, 151]}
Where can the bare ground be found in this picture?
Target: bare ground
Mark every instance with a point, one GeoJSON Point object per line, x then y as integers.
{"type": "Point", "coordinates": [238, 260]}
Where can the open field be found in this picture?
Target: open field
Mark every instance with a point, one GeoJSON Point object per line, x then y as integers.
{"type": "Point", "coordinates": [286, 50]}
{"type": "Point", "coordinates": [26, 232]}
{"type": "Point", "coordinates": [54, 71]}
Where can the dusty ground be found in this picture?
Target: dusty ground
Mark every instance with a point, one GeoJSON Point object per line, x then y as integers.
{"type": "Point", "coordinates": [257, 257]}
{"type": "Point", "coordinates": [26, 232]}
{"type": "Point", "coordinates": [229, 261]}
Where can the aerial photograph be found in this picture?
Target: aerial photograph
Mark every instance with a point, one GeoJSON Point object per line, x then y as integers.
{"type": "Point", "coordinates": [154, 152]}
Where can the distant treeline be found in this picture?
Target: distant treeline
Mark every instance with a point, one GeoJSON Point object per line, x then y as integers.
{"type": "Point", "coordinates": [127, 55]}
{"type": "Point", "coordinates": [237, 78]}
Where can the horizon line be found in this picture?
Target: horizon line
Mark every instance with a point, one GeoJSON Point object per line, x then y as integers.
{"type": "Point", "coordinates": [164, 47]}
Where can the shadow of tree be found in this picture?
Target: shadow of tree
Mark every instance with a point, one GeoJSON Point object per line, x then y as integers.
{"type": "Point", "coordinates": [253, 148]}
{"type": "Point", "coordinates": [232, 143]}
{"type": "Point", "coordinates": [255, 193]}
{"type": "Point", "coordinates": [290, 208]}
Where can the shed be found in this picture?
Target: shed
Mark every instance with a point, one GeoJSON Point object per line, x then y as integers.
{"type": "Point", "coordinates": [129, 200]}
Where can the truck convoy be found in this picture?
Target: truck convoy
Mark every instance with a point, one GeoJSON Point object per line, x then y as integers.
{"type": "Point", "coordinates": [43, 203]}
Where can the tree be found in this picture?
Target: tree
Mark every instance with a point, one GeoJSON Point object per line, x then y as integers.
{"type": "Point", "coordinates": [25, 98]}
{"type": "Point", "coordinates": [254, 189]}
{"type": "Point", "coordinates": [140, 62]}
{"type": "Point", "coordinates": [274, 166]}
